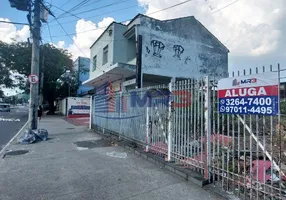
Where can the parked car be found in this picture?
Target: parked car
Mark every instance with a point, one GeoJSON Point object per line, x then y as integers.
{"type": "Point", "coordinates": [4, 107]}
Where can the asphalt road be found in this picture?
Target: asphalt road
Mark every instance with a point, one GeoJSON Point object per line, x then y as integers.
{"type": "Point", "coordinates": [11, 123]}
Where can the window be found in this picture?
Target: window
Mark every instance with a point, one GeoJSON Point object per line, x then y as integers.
{"type": "Point", "coordinates": [94, 61]}
{"type": "Point", "coordinates": [105, 55]}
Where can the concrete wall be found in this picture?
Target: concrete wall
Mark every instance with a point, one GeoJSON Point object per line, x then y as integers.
{"type": "Point", "coordinates": [97, 49]}
{"type": "Point", "coordinates": [131, 52]}
{"type": "Point", "coordinates": [120, 51]}
{"type": "Point", "coordinates": [180, 48]}
{"type": "Point", "coordinates": [62, 106]}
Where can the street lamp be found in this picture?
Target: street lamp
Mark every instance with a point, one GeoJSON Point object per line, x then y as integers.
{"type": "Point", "coordinates": [68, 80]}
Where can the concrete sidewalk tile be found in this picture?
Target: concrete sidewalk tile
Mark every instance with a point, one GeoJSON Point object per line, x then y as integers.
{"type": "Point", "coordinates": [57, 169]}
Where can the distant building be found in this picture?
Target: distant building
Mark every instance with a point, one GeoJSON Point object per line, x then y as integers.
{"type": "Point", "coordinates": [82, 65]}
{"type": "Point", "coordinates": [148, 52]}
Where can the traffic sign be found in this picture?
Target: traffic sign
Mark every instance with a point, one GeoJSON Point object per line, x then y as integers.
{"type": "Point", "coordinates": [254, 94]}
{"type": "Point", "coordinates": [33, 79]}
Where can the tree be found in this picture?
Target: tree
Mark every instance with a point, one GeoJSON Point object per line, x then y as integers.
{"type": "Point", "coordinates": [16, 57]}
{"type": "Point", "coordinates": [6, 62]}
{"type": "Point", "coordinates": [55, 63]}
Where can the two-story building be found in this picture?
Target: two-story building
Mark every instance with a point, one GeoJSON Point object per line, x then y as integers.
{"type": "Point", "coordinates": [148, 52]}
{"type": "Point", "coordinates": [82, 67]}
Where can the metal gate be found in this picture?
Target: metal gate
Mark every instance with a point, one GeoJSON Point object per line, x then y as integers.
{"type": "Point", "coordinates": [243, 154]}
{"type": "Point", "coordinates": [247, 152]}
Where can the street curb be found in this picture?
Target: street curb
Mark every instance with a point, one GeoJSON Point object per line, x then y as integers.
{"type": "Point", "coordinates": [15, 136]}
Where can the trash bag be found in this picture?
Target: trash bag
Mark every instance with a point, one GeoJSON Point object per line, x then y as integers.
{"type": "Point", "coordinates": [42, 134]}
{"type": "Point", "coordinates": [28, 138]}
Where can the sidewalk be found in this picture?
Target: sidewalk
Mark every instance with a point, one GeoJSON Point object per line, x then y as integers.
{"type": "Point", "coordinates": [59, 170]}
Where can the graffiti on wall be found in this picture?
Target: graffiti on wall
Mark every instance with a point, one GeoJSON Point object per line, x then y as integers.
{"type": "Point", "coordinates": [170, 56]}
{"type": "Point", "coordinates": [147, 50]}
{"type": "Point", "coordinates": [178, 49]}
{"type": "Point", "coordinates": [187, 60]}
{"type": "Point", "coordinates": [157, 46]}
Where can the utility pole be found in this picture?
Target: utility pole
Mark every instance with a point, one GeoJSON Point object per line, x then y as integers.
{"type": "Point", "coordinates": [35, 29]}
{"type": "Point", "coordinates": [34, 88]}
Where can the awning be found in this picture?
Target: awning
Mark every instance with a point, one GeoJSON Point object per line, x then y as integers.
{"type": "Point", "coordinates": [113, 73]}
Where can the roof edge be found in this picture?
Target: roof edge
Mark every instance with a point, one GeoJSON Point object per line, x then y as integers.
{"type": "Point", "coordinates": [114, 22]}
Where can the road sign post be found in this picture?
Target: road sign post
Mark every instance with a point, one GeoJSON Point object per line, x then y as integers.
{"type": "Point", "coordinates": [34, 89]}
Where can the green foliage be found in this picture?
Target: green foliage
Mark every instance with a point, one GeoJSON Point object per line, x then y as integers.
{"type": "Point", "coordinates": [16, 57]}
{"type": "Point", "coordinates": [283, 107]}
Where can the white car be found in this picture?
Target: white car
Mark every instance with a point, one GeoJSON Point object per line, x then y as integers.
{"type": "Point", "coordinates": [4, 107]}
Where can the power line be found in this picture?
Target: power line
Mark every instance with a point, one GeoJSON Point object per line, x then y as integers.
{"type": "Point", "coordinates": [72, 14]}
{"type": "Point", "coordinates": [79, 4]}
{"type": "Point", "coordinates": [178, 4]}
{"type": "Point", "coordinates": [108, 5]}
{"type": "Point", "coordinates": [173, 6]}
{"type": "Point", "coordinates": [225, 7]}
{"type": "Point", "coordinates": [67, 22]}
{"type": "Point", "coordinates": [90, 4]}
{"type": "Point", "coordinates": [65, 11]}
{"type": "Point", "coordinates": [17, 23]}
{"type": "Point", "coordinates": [50, 33]}
{"type": "Point", "coordinates": [66, 3]}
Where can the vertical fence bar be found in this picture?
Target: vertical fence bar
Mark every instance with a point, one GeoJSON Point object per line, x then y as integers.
{"type": "Point", "coordinates": [90, 112]}
{"type": "Point", "coordinates": [192, 117]}
{"type": "Point", "coordinates": [218, 145]}
{"type": "Point", "coordinates": [121, 109]}
{"type": "Point", "coordinates": [170, 135]}
{"type": "Point", "coordinates": [251, 156]}
{"type": "Point", "coordinates": [238, 156]}
{"type": "Point", "coordinates": [244, 158]}
{"type": "Point", "coordinates": [227, 153]}
{"type": "Point", "coordinates": [177, 123]}
{"type": "Point", "coordinates": [264, 144]}
{"type": "Point", "coordinates": [202, 119]}
{"type": "Point", "coordinates": [189, 121]}
{"type": "Point", "coordinates": [184, 109]}
{"type": "Point", "coordinates": [271, 138]}
{"type": "Point", "coordinates": [233, 175]}
{"type": "Point", "coordinates": [147, 124]}
{"type": "Point", "coordinates": [214, 101]}
{"type": "Point", "coordinates": [279, 131]}
{"type": "Point", "coordinates": [272, 131]}
{"type": "Point", "coordinates": [207, 116]}
{"type": "Point", "coordinates": [196, 115]}
{"type": "Point", "coordinates": [257, 149]}
{"type": "Point", "coordinates": [223, 155]}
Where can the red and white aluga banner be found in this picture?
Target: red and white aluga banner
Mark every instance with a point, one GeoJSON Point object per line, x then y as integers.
{"type": "Point", "coordinates": [252, 94]}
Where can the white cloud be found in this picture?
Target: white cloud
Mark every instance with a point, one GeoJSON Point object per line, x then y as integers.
{"type": "Point", "coordinates": [247, 28]}
{"type": "Point", "coordinates": [9, 32]}
{"type": "Point", "coordinates": [83, 41]}
{"type": "Point", "coordinates": [126, 23]}
{"type": "Point", "coordinates": [61, 44]}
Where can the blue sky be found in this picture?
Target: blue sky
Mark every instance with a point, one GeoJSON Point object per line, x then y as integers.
{"type": "Point", "coordinates": [120, 11]}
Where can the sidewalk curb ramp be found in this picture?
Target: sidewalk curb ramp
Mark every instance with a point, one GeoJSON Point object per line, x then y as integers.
{"type": "Point", "coordinates": [186, 174]}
